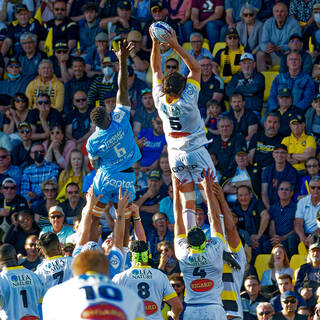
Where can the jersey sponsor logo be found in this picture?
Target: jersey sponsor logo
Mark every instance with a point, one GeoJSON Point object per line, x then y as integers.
{"type": "Point", "coordinates": [54, 265]}
{"type": "Point", "coordinates": [171, 110]}
{"type": "Point", "coordinates": [181, 168]}
{"type": "Point", "coordinates": [119, 183]}
{"type": "Point", "coordinates": [112, 141]}
{"type": "Point", "coordinates": [201, 285]}
{"type": "Point", "coordinates": [103, 311]}
{"type": "Point", "coordinates": [115, 261]}
{"type": "Point", "coordinates": [20, 280]}
{"type": "Point", "coordinates": [141, 274]}
{"type": "Point", "coordinates": [150, 307]}
{"type": "Point", "coordinates": [198, 260]}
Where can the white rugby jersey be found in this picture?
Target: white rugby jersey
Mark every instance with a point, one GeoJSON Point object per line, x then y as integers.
{"type": "Point", "coordinates": [181, 116]}
{"type": "Point", "coordinates": [54, 270]}
{"type": "Point", "coordinates": [91, 296]}
{"type": "Point", "coordinates": [202, 271]}
{"type": "Point", "coordinates": [21, 292]}
{"type": "Point", "coordinates": [151, 285]}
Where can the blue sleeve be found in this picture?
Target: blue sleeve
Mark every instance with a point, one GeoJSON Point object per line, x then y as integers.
{"type": "Point", "coordinates": [265, 38]}
{"type": "Point", "coordinates": [308, 94]}
{"type": "Point", "coordinates": [115, 262]}
{"type": "Point", "coordinates": [273, 100]}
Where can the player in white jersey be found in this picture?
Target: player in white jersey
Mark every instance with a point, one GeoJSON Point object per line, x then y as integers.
{"type": "Point", "coordinates": [200, 261]}
{"type": "Point", "coordinates": [55, 269]}
{"type": "Point", "coordinates": [20, 289]}
{"type": "Point", "coordinates": [91, 294]}
{"type": "Point", "coordinates": [176, 100]}
{"type": "Point", "coordinates": [151, 284]}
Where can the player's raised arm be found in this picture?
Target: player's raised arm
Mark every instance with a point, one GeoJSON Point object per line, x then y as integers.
{"type": "Point", "coordinates": [189, 60]}
{"type": "Point", "coordinates": [179, 227]}
{"type": "Point", "coordinates": [123, 54]}
{"type": "Point", "coordinates": [155, 59]}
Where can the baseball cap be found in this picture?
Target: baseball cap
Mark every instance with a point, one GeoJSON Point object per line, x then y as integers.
{"type": "Point", "coordinates": [8, 180]}
{"type": "Point", "coordinates": [109, 57]}
{"type": "Point", "coordinates": [124, 4]}
{"type": "Point", "coordinates": [110, 94]}
{"type": "Point", "coordinates": [243, 150]}
{"type": "Point", "coordinates": [134, 35]}
{"type": "Point", "coordinates": [13, 60]}
{"type": "Point", "coordinates": [247, 56]}
{"type": "Point", "coordinates": [232, 31]}
{"type": "Point", "coordinates": [24, 124]}
{"type": "Point", "coordinates": [280, 146]}
{"type": "Point", "coordinates": [154, 175]}
{"type": "Point", "coordinates": [284, 92]}
{"type": "Point", "coordinates": [90, 6]}
{"type": "Point", "coordinates": [56, 209]}
{"type": "Point", "coordinates": [288, 294]}
{"type": "Point", "coordinates": [20, 7]}
{"type": "Point", "coordinates": [316, 6]}
{"type": "Point", "coordinates": [156, 5]}
{"type": "Point", "coordinates": [297, 117]}
{"type": "Point", "coordinates": [101, 36]}
{"type": "Point", "coordinates": [296, 36]}
{"type": "Point", "coordinates": [61, 45]}
{"type": "Point", "coordinates": [315, 242]}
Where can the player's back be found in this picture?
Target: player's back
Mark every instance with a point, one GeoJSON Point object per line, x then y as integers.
{"type": "Point", "coordinates": [182, 122]}
{"type": "Point", "coordinates": [54, 270]}
{"type": "Point", "coordinates": [91, 296]}
{"type": "Point", "coordinates": [115, 146]}
{"type": "Point", "coordinates": [152, 287]}
{"type": "Point", "coordinates": [202, 271]}
{"type": "Point", "coordinates": [20, 292]}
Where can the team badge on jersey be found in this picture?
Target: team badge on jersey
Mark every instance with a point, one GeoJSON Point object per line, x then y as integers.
{"type": "Point", "coordinates": [103, 311]}
{"type": "Point", "coordinates": [150, 307]}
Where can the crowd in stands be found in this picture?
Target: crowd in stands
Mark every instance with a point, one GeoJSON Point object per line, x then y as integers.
{"type": "Point", "coordinates": [259, 99]}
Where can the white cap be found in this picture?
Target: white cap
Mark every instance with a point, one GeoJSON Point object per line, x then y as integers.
{"type": "Point", "coordinates": [247, 56]}
{"type": "Point", "coordinates": [56, 209]}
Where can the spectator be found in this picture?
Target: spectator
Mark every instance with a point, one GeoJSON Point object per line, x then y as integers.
{"type": "Point", "coordinates": [254, 218]}
{"type": "Point", "coordinates": [228, 59]}
{"type": "Point", "coordinates": [32, 259]}
{"type": "Point", "coordinates": [176, 280]}
{"type": "Point", "coordinates": [31, 56]}
{"type": "Point", "coordinates": [165, 170]}
{"type": "Point", "coordinates": [310, 35]}
{"type": "Point", "coordinates": [141, 10]}
{"type": "Point", "coordinates": [23, 226]}
{"type": "Point", "coordinates": [307, 312]}
{"type": "Point", "coordinates": [78, 124]}
{"type": "Point", "coordinates": [35, 174]}
{"type": "Point", "coordinates": [79, 81]}
{"type": "Point", "coordinates": [263, 142]}
{"type": "Point", "coordinates": [278, 264]}
{"type": "Point", "coordinates": [63, 28]}
{"type": "Point", "coordinates": [264, 311]}
{"type": "Point", "coordinates": [201, 219]}
{"type": "Point", "coordinates": [42, 117]}
{"type": "Point", "coordinates": [313, 118]}
{"type": "Point", "coordinates": [301, 84]}
{"type": "Point", "coordinates": [249, 83]}
{"type": "Point", "coordinates": [56, 218]}
{"type": "Point", "coordinates": [57, 148]}
{"type": "Point", "coordinates": [212, 86]}
{"type": "Point", "coordinates": [73, 205]}
{"type": "Point", "coordinates": [18, 27]}
{"type": "Point", "coordinates": [213, 111]}
{"type": "Point", "coordinates": [208, 19]}
{"type": "Point", "coordinates": [103, 83]}
{"type": "Point", "coordinates": [285, 284]}
{"type": "Point", "coordinates": [88, 28]}
{"type": "Point", "coordinates": [282, 215]}
{"type": "Point", "coordinates": [7, 169]}
{"type": "Point", "coordinates": [295, 44]}
{"type": "Point", "coordinates": [251, 298]}
{"type": "Point", "coordinates": [197, 51]}
{"type": "Point", "coordinates": [154, 143]}
{"type": "Point", "coordinates": [168, 262]}
{"type": "Point", "coordinates": [226, 144]}
{"type": "Point", "coordinates": [171, 65]}
{"type": "Point", "coordinates": [307, 208]}
{"type": "Point", "coordinates": [160, 233]}
{"type": "Point", "coordinates": [312, 170]}
{"type": "Point", "coordinates": [302, 11]}
{"type": "Point", "coordinates": [166, 207]}
{"type": "Point", "coordinates": [21, 152]}
{"type": "Point", "coordinates": [272, 175]}
{"type": "Point", "coordinates": [143, 116]}
{"type": "Point", "coordinates": [46, 82]}
{"type": "Point", "coordinates": [135, 86]}
{"type": "Point", "coordinates": [300, 146]}
{"type": "Point", "coordinates": [249, 28]}
{"type": "Point", "coordinates": [241, 174]}
{"type": "Point", "coordinates": [244, 121]}
{"type": "Point", "coordinates": [275, 36]}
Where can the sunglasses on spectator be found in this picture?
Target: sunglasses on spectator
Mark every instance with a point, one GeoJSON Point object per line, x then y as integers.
{"type": "Point", "coordinates": [32, 244]}
{"type": "Point", "coordinates": [20, 100]}
{"type": "Point", "coordinates": [248, 14]}
{"type": "Point", "coordinates": [160, 219]}
{"type": "Point", "coordinates": [264, 313]}
{"type": "Point", "coordinates": [39, 152]}
{"type": "Point", "coordinates": [81, 100]}
{"type": "Point", "coordinates": [284, 189]}
{"type": "Point", "coordinates": [46, 102]}
{"type": "Point", "coordinates": [23, 131]}
{"type": "Point", "coordinates": [56, 216]}
{"type": "Point", "coordinates": [232, 37]}
{"type": "Point", "coordinates": [10, 188]}
{"type": "Point", "coordinates": [314, 188]}
{"type": "Point", "coordinates": [61, 51]}
{"type": "Point", "coordinates": [4, 156]}
{"type": "Point", "coordinates": [292, 301]}
{"type": "Point", "coordinates": [171, 67]}
{"type": "Point", "coordinates": [13, 66]}
{"type": "Point", "coordinates": [312, 165]}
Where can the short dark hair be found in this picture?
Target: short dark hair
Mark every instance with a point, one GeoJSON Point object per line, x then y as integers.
{"type": "Point", "coordinates": [78, 59]}
{"type": "Point", "coordinates": [70, 184]}
{"type": "Point", "coordinates": [173, 83]}
{"type": "Point", "coordinates": [272, 114]}
{"type": "Point", "coordinates": [172, 59]}
{"type": "Point", "coordinates": [138, 246]}
{"type": "Point", "coordinates": [48, 239]}
{"type": "Point", "coordinates": [284, 276]}
{"type": "Point", "coordinates": [251, 277]}
{"type": "Point", "coordinates": [98, 117]}
{"type": "Point", "coordinates": [196, 237]}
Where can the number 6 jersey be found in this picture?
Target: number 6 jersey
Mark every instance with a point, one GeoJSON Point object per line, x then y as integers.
{"type": "Point", "coordinates": [182, 123]}
{"type": "Point", "coordinates": [151, 285]}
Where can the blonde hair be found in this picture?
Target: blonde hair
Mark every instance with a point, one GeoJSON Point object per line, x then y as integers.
{"type": "Point", "coordinates": [66, 173]}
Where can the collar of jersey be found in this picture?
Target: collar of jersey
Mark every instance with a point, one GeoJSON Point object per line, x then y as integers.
{"type": "Point", "coordinates": [141, 267]}
{"type": "Point", "coordinates": [173, 101]}
{"type": "Point", "coordinates": [54, 257]}
{"type": "Point", "coordinates": [14, 268]}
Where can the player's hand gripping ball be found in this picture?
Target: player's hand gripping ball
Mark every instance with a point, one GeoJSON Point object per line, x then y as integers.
{"type": "Point", "coordinates": [159, 29]}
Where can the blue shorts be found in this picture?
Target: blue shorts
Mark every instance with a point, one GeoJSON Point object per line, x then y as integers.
{"type": "Point", "coordinates": [108, 184]}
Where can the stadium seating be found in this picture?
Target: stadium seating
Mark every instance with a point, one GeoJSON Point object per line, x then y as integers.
{"type": "Point", "coordinates": [261, 264]}
{"type": "Point", "coordinates": [268, 78]}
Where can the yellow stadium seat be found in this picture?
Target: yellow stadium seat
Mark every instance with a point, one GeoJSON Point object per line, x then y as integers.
{"type": "Point", "coordinates": [261, 264]}
{"type": "Point", "coordinates": [218, 46]}
{"type": "Point", "coordinates": [296, 261]}
{"type": "Point", "coordinates": [187, 45]}
{"type": "Point", "coordinates": [268, 79]}
{"type": "Point", "coordinates": [302, 250]}
{"type": "Point", "coordinates": [276, 67]}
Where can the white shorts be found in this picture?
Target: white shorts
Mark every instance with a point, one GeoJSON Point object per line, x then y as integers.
{"type": "Point", "coordinates": [189, 165]}
{"type": "Point", "coordinates": [205, 312]}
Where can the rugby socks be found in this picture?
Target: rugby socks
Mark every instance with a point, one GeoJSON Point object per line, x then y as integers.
{"type": "Point", "coordinates": [97, 211]}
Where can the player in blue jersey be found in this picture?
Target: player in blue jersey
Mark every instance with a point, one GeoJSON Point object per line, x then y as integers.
{"type": "Point", "coordinates": [112, 148]}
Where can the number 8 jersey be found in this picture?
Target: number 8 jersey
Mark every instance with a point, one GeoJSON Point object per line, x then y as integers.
{"type": "Point", "coordinates": [182, 124]}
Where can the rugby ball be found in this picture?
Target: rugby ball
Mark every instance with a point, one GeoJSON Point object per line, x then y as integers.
{"type": "Point", "coordinates": [159, 29]}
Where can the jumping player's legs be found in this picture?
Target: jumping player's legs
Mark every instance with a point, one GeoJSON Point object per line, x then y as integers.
{"type": "Point", "coordinates": [207, 312]}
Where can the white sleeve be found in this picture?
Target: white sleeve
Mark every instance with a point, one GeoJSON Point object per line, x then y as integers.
{"type": "Point", "coordinates": [180, 247]}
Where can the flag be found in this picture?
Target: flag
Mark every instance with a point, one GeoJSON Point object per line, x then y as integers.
{"type": "Point", "coordinates": [48, 45]}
